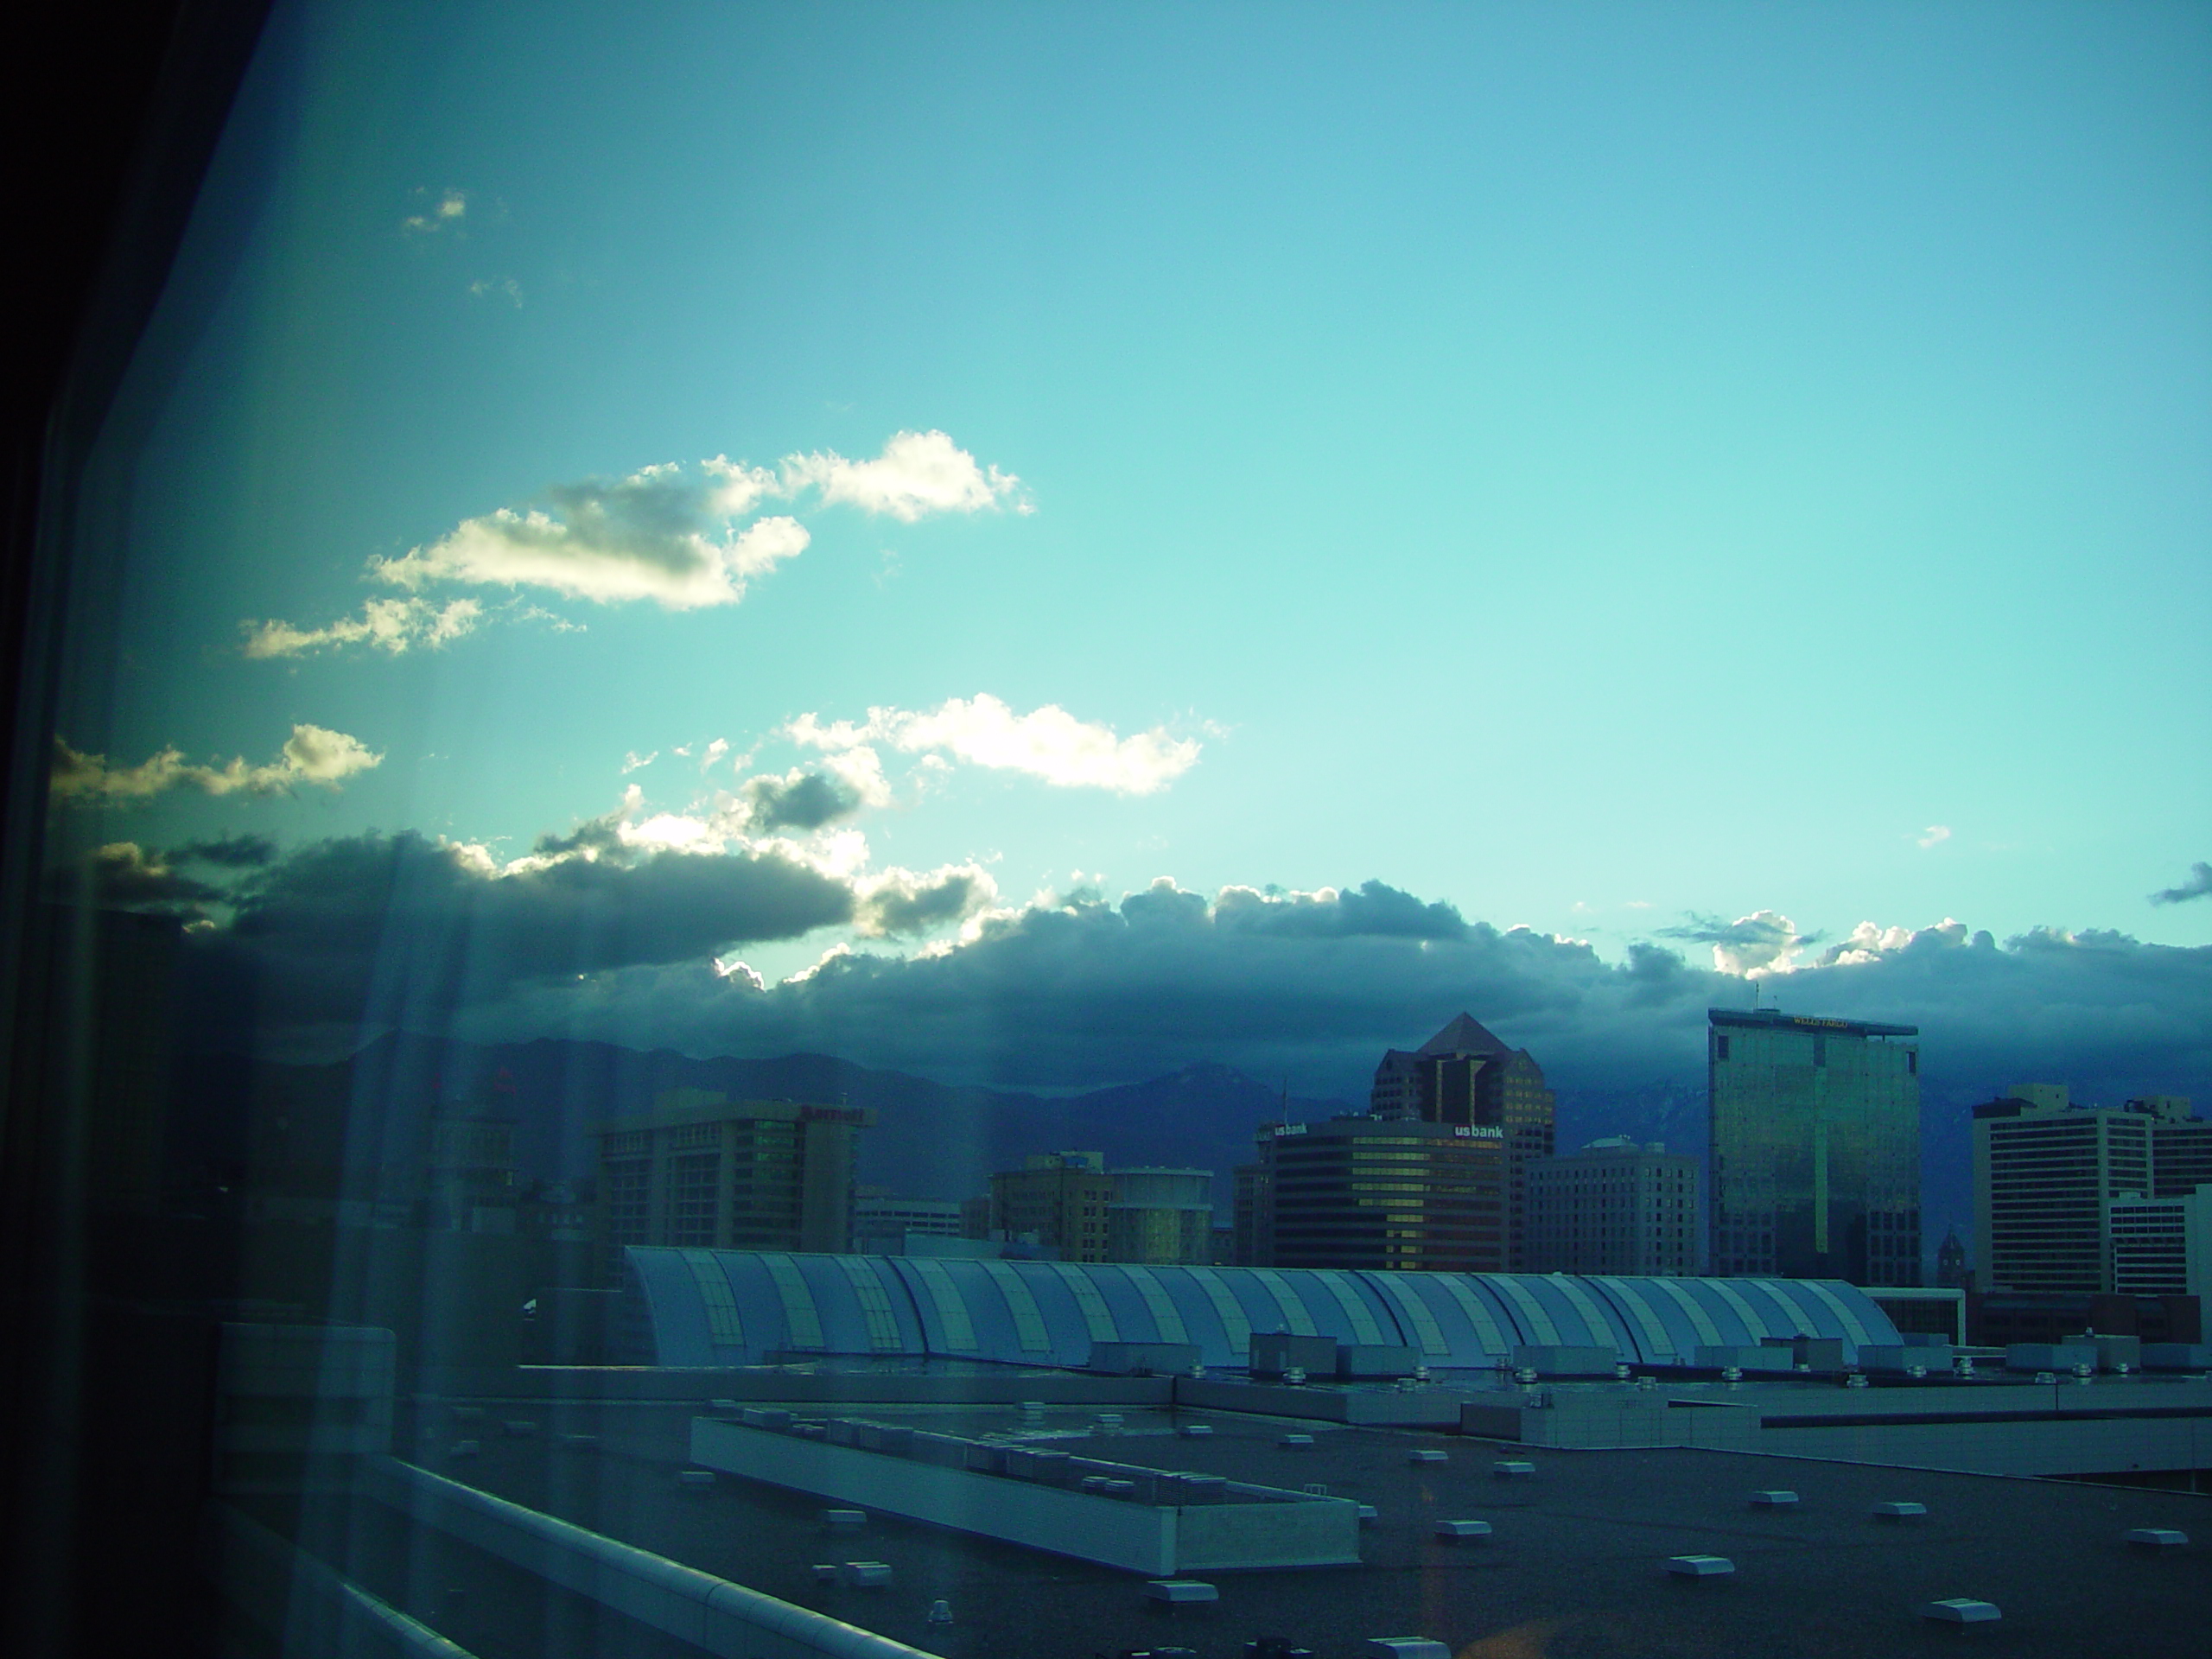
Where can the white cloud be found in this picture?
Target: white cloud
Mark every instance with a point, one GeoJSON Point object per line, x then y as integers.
{"type": "Point", "coordinates": [918, 474]}
{"type": "Point", "coordinates": [1048, 743]}
{"type": "Point", "coordinates": [390, 625]}
{"type": "Point", "coordinates": [449, 209]}
{"type": "Point", "coordinates": [1935, 834]}
{"type": "Point", "coordinates": [683, 538]}
{"type": "Point", "coordinates": [739, 973]}
{"type": "Point", "coordinates": [663, 534]}
{"type": "Point", "coordinates": [635, 762]}
{"type": "Point", "coordinates": [313, 754]}
{"type": "Point", "coordinates": [1870, 942]}
{"type": "Point", "coordinates": [716, 750]}
{"type": "Point", "coordinates": [1750, 947]}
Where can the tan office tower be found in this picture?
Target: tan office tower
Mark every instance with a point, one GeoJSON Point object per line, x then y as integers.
{"type": "Point", "coordinates": [1617, 1206]}
{"type": "Point", "coordinates": [1465, 1075]}
{"type": "Point", "coordinates": [702, 1169]}
{"type": "Point", "coordinates": [1056, 1199]}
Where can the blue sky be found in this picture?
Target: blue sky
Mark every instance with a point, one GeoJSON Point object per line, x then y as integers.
{"type": "Point", "coordinates": [1590, 467]}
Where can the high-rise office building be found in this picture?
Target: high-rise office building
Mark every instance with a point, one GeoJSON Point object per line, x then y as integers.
{"type": "Point", "coordinates": [1362, 1192]}
{"type": "Point", "coordinates": [701, 1169]}
{"type": "Point", "coordinates": [2162, 1246]}
{"type": "Point", "coordinates": [2181, 1145]}
{"type": "Point", "coordinates": [2046, 1174]}
{"type": "Point", "coordinates": [1056, 1199]}
{"type": "Point", "coordinates": [1815, 1148]}
{"type": "Point", "coordinates": [1248, 1214]}
{"type": "Point", "coordinates": [1071, 1204]}
{"type": "Point", "coordinates": [882, 1221]}
{"type": "Point", "coordinates": [1617, 1206]}
{"type": "Point", "coordinates": [1466, 1076]}
{"type": "Point", "coordinates": [470, 1180]}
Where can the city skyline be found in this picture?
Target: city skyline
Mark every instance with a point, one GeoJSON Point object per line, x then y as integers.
{"type": "Point", "coordinates": [748, 740]}
{"type": "Point", "coordinates": [941, 634]}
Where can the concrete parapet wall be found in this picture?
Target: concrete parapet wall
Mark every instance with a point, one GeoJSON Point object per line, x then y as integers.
{"type": "Point", "coordinates": [697, 1607]}
{"type": "Point", "coordinates": [310, 1606]}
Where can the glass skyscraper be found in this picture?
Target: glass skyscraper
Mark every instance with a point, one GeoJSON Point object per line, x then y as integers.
{"type": "Point", "coordinates": [1816, 1127]}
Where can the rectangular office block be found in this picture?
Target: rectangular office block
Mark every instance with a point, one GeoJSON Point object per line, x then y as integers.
{"type": "Point", "coordinates": [1458, 1530]}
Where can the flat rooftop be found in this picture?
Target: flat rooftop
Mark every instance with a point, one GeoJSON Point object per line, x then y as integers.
{"type": "Point", "coordinates": [1574, 1566]}
{"type": "Point", "coordinates": [1774, 1018]}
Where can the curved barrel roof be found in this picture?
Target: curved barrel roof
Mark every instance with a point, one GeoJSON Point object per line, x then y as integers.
{"type": "Point", "coordinates": [745, 1308]}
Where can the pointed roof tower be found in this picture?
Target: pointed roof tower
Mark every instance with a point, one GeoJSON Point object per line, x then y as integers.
{"type": "Point", "coordinates": [1465, 1035]}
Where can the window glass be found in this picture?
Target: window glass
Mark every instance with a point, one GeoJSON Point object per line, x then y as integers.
{"type": "Point", "coordinates": [712, 963]}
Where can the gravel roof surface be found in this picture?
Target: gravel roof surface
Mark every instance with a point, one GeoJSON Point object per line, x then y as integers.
{"type": "Point", "coordinates": [1574, 1567]}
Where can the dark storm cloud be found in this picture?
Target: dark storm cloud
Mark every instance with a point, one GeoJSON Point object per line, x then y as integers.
{"type": "Point", "coordinates": [902, 908]}
{"type": "Point", "coordinates": [599, 836]}
{"type": "Point", "coordinates": [229, 852]}
{"type": "Point", "coordinates": [806, 801]}
{"type": "Point", "coordinates": [125, 876]}
{"type": "Point", "coordinates": [1086, 994]}
{"type": "Point", "coordinates": [1763, 932]}
{"type": "Point", "coordinates": [1372, 908]}
{"type": "Point", "coordinates": [2198, 885]}
{"type": "Point", "coordinates": [387, 930]}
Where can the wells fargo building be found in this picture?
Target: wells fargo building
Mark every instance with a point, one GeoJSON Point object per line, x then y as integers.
{"type": "Point", "coordinates": [1815, 1128]}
